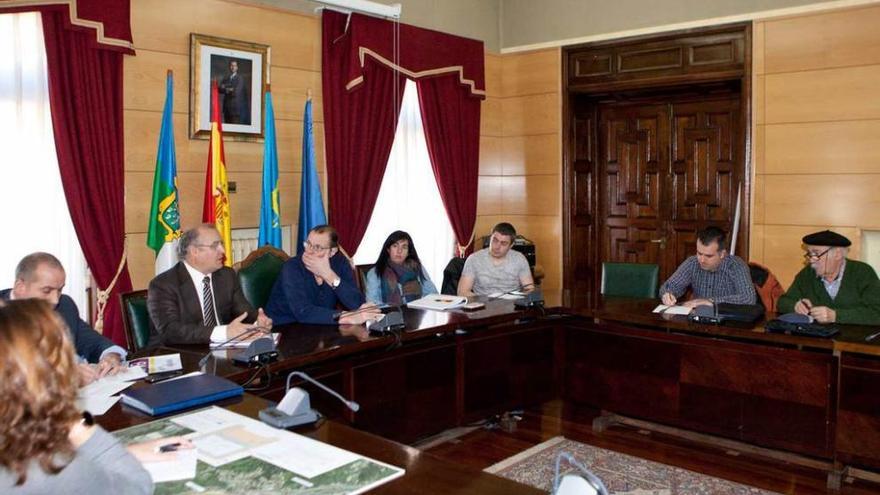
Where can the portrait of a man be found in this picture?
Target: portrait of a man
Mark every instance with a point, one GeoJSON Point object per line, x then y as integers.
{"type": "Point", "coordinates": [233, 81]}
{"type": "Point", "coordinates": [240, 71]}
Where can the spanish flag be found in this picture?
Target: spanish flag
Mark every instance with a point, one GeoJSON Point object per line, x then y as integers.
{"type": "Point", "coordinates": [215, 208]}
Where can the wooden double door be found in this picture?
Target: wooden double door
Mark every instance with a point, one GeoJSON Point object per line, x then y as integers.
{"type": "Point", "coordinates": [663, 170]}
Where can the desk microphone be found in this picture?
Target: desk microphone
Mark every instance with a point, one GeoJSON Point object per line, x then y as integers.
{"type": "Point", "coordinates": [247, 333]}
{"type": "Point", "coordinates": [706, 314]}
{"type": "Point", "coordinates": [339, 314]}
{"type": "Point", "coordinates": [295, 408]}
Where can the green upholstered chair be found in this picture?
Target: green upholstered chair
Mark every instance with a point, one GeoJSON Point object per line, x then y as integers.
{"type": "Point", "coordinates": [135, 319]}
{"type": "Point", "coordinates": [257, 274]}
{"type": "Point", "coordinates": [630, 279]}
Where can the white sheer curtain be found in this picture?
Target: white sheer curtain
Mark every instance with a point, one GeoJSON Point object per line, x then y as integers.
{"type": "Point", "coordinates": [33, 212]}
{"type": "Point", "coordinates": [409, 199]}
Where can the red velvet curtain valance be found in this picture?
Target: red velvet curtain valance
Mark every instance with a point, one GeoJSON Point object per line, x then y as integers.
{"type": "Point", "coordinates": [423, 52]}
{"type": "Point", "coordinates": [361, 106]}
{"type": "Point", "coordinates": [107, 21]}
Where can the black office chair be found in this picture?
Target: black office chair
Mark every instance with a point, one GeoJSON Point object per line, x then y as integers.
{"type": "Point", "coordinates": [451, 274]}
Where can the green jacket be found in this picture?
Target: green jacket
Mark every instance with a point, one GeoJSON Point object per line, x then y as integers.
{"type": "Point", "coordinates": [857, 301]}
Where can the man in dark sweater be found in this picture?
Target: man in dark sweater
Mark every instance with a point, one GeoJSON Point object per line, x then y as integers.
{"type": "Point", "coordinates": [41, 276]}
{"type": "Point", "coordinates": [833, 288]}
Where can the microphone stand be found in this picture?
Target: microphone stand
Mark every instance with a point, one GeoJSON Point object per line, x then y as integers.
{"type": "Point", "coordinates": [295, 408]}
{"type": "Point", "coordinates": [223, 345]}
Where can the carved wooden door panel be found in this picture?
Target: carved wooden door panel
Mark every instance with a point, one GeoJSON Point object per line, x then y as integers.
{"type": "Point", "coordinates": [633, 165]}
{"type": "Point", "coordinates": [666, 170]}
{"type": "Point", "coordinates": [706, 170]}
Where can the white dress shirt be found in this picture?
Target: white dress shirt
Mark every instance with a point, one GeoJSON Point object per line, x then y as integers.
{"type": "Point", "coordinates": [219, 332]}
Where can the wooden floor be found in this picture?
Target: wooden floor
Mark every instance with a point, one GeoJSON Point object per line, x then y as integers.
{"type": "Point", "coordinates": [483, 447]}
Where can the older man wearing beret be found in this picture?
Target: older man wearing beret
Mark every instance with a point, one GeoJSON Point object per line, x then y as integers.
{"type": "Point", "coordinates": [833, 288]}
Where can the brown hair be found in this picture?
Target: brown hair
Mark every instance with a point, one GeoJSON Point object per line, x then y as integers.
{"type": "Point", "coordinates": [38, 383]}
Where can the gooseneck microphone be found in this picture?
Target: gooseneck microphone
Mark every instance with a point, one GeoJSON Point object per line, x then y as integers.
{"type": "Point", "coordinates": [339, 314]}
{"type": "Point", "coordinates": [354, 406]}
{"type": "Point", "coordinates": [247, 333]}
{"type": "Point", "coordinates": [295, 408]}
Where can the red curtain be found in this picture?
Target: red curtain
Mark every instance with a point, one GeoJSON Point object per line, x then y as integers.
{"type": "Point", "coordinates": [360, 118]}
{"type": "Point", "coordinates": [85, 94]}
{"type": "Point", "coordinates": [451, 118]}
{"type": "Point", "coordinates": [359, 128]}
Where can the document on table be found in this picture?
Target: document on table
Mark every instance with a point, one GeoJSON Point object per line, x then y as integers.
{"type": "Point", "coordinates": [672, 310]}
{"type": "Point", "coordinates": [291, 461]}
{"type": "Point", "coordinates": [304, 456]}
{"type": "Point", "coordinates": [98, 397]}
{"type": "Point", "coordinates": [181, 468]}
{"type": "Point", "coordinates": [157, 364]}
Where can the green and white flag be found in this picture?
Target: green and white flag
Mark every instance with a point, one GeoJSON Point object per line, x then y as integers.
{"type": "Point", "coordinates": [163, 230]}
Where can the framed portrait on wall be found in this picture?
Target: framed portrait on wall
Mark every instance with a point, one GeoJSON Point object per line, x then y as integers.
{"type": "Point", "coordinates": [241, 71]}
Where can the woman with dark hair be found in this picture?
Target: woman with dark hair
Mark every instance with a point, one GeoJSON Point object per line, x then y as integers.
{"type": "Point", "coordinates": [46, 444]}
{"type": "Point", "coordinates": [398, 276]}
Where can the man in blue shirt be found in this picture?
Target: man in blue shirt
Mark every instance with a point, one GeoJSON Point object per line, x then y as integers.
{"type": "Point", "coordinates": [41, 276]}
{"type": "Point", "coordinates": [311, 285]}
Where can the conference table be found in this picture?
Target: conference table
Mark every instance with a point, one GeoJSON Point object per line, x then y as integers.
{"type": "Point", "coordinates": [808, 397]}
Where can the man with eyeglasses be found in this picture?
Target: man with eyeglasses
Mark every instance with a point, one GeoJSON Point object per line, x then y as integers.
{"type": "Point", "coordinates": [311, 285]}
{"type": "Point", "coordinates": [497, 269]}
{"type": "Point", "coordinates": [199, 300]}
{"type": "Point", "coordinates": [833, 288]}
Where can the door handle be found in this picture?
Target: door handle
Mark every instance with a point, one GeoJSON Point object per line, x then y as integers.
{"type": "Point", "coordinates": [662, 242]}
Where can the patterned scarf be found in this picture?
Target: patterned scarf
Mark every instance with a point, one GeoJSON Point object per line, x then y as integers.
{"type": "Point", "coordinates": [401, 284]}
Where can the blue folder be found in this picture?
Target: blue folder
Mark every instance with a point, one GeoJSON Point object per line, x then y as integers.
{"type": "Point", "coordinates": [183, 393]}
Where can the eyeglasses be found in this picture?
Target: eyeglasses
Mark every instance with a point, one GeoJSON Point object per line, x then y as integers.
{"type": "Point", "coordinates": [213, 245]}
{"type": "Point", "coordinates": [815, 257]}
{"type": "Point", "coordinates": [308, 246]}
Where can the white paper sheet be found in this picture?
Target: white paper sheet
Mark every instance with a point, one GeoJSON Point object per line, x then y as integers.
{"type": "Point", "coordinates": [96, 405]}
{"type": "Point", "coordinates": [672, 310]}
{"type": "Point", "coordinates": [304, 456]}
{"type": "Point", "coordinates": [130, 375]}
{"type": "Point", "coordinates": [181, 468]}
{"type": "Point", "coordinates": [105, 387]}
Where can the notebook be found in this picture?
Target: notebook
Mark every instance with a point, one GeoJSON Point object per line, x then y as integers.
{"type": "Point", "coordinates": [183, 393]}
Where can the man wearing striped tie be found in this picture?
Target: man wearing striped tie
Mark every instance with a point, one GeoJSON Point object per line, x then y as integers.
{"type": "Point", "coordinates": [199, 300]}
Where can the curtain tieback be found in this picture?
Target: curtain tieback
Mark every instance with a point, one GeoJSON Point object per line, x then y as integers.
{"type": "Point", "coordinates": [463, 248]}
{"type": "Point", "coordinates": [104, 295]}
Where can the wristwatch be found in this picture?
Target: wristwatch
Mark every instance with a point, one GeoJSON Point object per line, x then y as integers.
{"type": "Point", "coordinates": [336, 282]}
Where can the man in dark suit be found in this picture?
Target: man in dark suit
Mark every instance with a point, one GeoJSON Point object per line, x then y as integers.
{"type": "Point", "coordinates": [232, 90]}
{"type": "Point", "coordinates": [41, 276]}
{"type": "Point", "coordinates": [199, 300]}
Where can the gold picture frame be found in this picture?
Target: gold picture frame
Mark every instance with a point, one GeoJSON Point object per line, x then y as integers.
{"type": "Point", "coordinates": [241, 70]}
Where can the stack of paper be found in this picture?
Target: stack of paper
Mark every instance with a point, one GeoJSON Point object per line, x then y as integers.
{"type": "Point", "coordinates": [99, 396]}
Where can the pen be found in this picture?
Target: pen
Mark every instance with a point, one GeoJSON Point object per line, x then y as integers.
{"type": "Point", "coordinates": [170, 447]}
{"type": "Point", "coordinates": [872, 336]}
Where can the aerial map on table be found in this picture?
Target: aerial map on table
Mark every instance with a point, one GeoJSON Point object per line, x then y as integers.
{"type": "Point", "coordinates": [236, 454]}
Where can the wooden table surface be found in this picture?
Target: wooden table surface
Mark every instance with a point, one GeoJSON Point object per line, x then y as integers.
{"type": "Point", "coordinates": [425, 473]}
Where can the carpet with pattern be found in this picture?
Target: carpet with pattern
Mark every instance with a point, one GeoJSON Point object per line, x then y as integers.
{"type": "Point", "coordinates": [621, 473]}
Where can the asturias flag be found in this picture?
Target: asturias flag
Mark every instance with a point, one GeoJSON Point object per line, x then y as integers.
{"type": "Point", "coordinates": [270, 204]}
{"type": "Point", "coordinates": [311, 204]}
{"type": "Point", "coordinates": [163, 229]}
{"type": "Point", "coordinates": [215, 208]}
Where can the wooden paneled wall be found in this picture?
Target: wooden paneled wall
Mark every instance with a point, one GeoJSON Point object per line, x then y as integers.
{"type": "Point", "coordinates": [520, 153]}
{"type": "Point", "coordinates": [161, 31]}
{"type": "Point", "coordinates": [817, 132]}
{"type": "Point", "coordinates": [520, 157]}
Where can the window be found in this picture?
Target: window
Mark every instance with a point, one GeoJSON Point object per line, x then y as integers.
{"type": "Point", "coordinates": [409, 199]}
{"type": "Point", "coordinates": [34, 212]}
